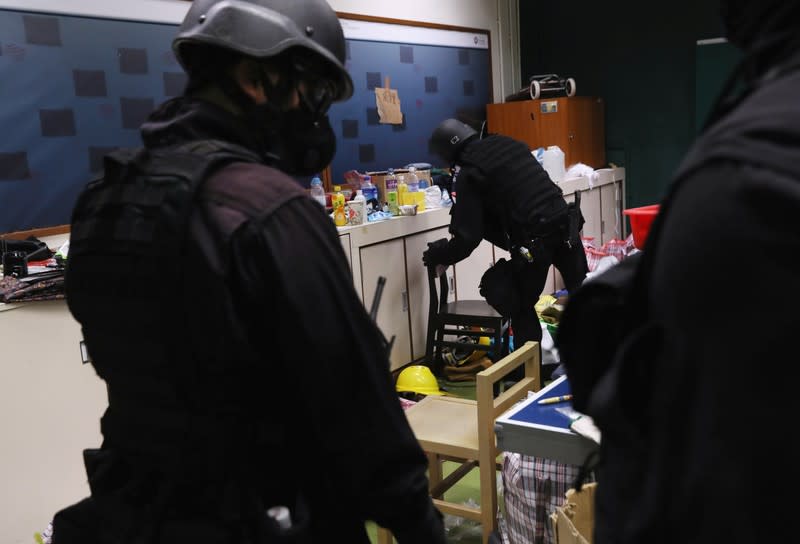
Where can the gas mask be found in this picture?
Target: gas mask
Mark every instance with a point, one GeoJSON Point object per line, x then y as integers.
{"type": "Point", "coordinates": [301, 136]}
{"type": "Point", "coordinates": [303, 141]}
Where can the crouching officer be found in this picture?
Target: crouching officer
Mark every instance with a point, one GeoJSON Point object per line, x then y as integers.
{"type": "Point", "coordinates": [504, 196]}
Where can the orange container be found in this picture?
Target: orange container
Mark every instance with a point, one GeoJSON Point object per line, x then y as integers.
{"type": "Point", "coordinates": [641, 219]}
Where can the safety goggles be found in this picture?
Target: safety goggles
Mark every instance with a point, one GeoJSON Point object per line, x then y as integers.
{"type": "Point", "coordinates": [314, 85]}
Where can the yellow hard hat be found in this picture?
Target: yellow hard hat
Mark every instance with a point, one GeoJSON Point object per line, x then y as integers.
{"type": "Point", "coordinates": [417, 379]}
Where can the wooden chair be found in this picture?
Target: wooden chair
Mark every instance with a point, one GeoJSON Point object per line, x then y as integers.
{"type": "Point", "coordinates": [462, 430]}
{"type": "Point", "coordinates": [448, 321]}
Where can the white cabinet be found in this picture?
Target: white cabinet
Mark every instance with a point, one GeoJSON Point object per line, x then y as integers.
{"type": "Point", "coordinates": [345, 240]}
{"type": "Point", "coordinates": [403, 310]}
{"type": "Point", "coordinates": [50, 409]}
{"type": "Point", "coordinates": [387, 259]}
{"type": "Point", "coordinates": [601, 204]}
{"type": "Point", "coordinates": [611, 212]}
{"type": "Point", "coordinates": [418, 289]}
{"type": "Point", "coordinates": [592, 214]}
{"type": "Point", "coordinates": [470, 270]}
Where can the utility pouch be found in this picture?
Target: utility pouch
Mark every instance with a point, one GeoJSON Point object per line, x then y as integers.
{"type": "Point", "coordinates": [496, 287]}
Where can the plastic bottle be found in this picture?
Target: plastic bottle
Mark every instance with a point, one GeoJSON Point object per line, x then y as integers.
{"type": "Point", "coordinates": [358, 209]}
{"type": "Point", "coordinates": [553, 163]}
{"type": "Point", "coordinates": [370, 194]}
{"type": "Point", "coordinates": [337, 201]}
{"type": "Point", "coordinates": [412, 180]}
{"type": "Point", "coordinates": [316, 191]}
{"type": "Point", "coordinates": [392, 198]}
{"type": "Point", "coordinates": [402, 190]}
{"type": "Point", "coordinates": [415, 196]}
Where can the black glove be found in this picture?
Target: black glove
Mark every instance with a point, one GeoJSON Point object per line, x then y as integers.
{"type": "Point", "coordinates": [433, 255]}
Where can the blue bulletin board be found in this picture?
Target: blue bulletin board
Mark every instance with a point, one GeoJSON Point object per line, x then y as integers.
{"type": "Point", "coordinates": [74, 86]}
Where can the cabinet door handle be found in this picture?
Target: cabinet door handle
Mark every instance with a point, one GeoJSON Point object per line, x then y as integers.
{"type": "Point", "coordinates": [533, 117]}
{"type": "Point", "coordinates": [452, 284]}
{"type": "Point", "coordinates": [404, 296]}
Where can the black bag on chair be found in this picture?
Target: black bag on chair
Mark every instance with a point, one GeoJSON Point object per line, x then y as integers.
{"type": "Point", "coordinates": [496, 287]}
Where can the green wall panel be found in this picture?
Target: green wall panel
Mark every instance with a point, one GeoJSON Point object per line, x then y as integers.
{"type": "Point", "coordinates": [640, 57]}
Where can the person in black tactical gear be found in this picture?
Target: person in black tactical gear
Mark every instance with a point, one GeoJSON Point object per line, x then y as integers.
{"type": "Point", "coordinates": [244, 374]}
{"type": "Point", "coordinates": [694, 443]}
{"type": "Point", "coordinates": [503, 195]}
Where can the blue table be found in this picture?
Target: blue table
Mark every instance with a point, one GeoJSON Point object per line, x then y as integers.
{"type": "Point", "coordinates": [542, 431]}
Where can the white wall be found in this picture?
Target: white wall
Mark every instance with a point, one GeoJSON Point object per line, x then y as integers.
{"type": "Point", "coordinates": [499, 17]}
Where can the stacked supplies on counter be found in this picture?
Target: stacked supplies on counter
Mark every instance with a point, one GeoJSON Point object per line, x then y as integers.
{"type": "Point", "coordinates": [31, 271]}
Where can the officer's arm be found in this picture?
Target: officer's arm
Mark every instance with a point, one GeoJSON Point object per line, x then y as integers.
{"type": "Point", "coordinates": [466, 222]}
{"type": "Point", "coordinates": [329, 350]}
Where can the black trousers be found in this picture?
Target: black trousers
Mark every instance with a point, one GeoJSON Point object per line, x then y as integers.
{"type": "Point", "coordinates": [564, 251]}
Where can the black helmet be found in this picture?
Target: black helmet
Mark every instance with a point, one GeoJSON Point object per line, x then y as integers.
{"type": "Point", "coordinates": [266, 28]}
{"type": "Point", "coordinates": [449, 137]}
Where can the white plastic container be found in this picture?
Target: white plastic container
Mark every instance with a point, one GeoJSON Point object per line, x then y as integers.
{"type": "Point", "coordinates": [553, 163]}
{"type": "Point", "coordinates": [357, 209]}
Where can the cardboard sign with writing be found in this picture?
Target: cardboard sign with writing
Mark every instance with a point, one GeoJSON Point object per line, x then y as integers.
{"type": "Point", "coordinates": [388, 103]}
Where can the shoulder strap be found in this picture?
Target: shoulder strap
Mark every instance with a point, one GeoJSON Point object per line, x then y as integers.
{"type": "Point", "coordinates": [143, 193]}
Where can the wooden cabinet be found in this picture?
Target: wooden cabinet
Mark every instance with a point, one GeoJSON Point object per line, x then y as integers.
{"type": "Point", "coordinates": [576, 124]}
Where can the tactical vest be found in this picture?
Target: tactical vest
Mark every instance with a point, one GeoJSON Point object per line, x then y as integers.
{"type": "Point", "coordinates": [185, 385]}
{"type": "Point", "coordinates": [516, 183]}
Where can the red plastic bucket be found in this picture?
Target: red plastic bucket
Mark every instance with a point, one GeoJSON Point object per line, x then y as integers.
{"type": "Point", "coordinates": [641, 219]}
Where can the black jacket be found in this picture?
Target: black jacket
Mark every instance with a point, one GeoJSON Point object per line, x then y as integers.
{"type": "Point", "coordinates": [501, 193]}
{"type": "Point", "coordinates": [693, 405]}
{"type": "Point", "coordinates": [279, 381]}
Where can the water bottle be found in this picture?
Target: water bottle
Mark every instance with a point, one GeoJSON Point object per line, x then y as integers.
{"type": "Point", "coordinates": [316, 191]}
{"type": "Point", "coordinates": [412, 180]}
{"type": "Point", "coordinates": [370, 194]}
{"type": "Point", "coordinates": [415, 196]}
{"type": "Point", "coordinates": [392, 198]}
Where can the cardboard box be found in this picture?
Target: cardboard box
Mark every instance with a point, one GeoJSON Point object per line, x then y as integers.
{"type": "Point", "coordinates": [573, 522]}
{"type": "Point", "coordinates": [379, 179]}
